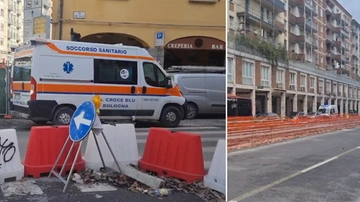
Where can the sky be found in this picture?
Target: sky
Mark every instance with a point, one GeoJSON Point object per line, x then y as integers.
{"type": "Point", "coordinates": [353, 7]}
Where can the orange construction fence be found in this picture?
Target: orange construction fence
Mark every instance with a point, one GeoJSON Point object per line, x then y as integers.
{"type": "Point", "coordinates": [246, 132]}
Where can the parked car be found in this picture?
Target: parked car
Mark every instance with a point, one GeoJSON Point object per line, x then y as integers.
{"type": "Point", "coordinates": [270, 114]}
{"type": "Point", "coordinates": [205, 92]}
{"type": "Point", "coordinates": [313, 114]}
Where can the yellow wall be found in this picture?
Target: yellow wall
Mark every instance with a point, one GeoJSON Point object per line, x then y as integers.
{"type": "Point", "coordinates": [142, 18]}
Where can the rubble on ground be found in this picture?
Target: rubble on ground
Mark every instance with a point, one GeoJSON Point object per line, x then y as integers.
{"type": "Point", "coordinates": [116, 179]}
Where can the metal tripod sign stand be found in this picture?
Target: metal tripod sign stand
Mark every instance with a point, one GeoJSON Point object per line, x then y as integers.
{"type": "Point", "coordinates": [83, 121]}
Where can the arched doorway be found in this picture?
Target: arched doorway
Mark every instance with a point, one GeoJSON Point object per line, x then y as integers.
{"type": "Point", "coordinates": [195, 51]}
{"type": "Point", "coordinates": [114, 38]}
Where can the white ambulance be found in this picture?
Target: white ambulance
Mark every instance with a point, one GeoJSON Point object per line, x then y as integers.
{"type": "Point", "coordinates": [50, 78]}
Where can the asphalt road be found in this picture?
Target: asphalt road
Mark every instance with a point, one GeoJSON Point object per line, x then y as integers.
{"type": "Point", "coordinates": [322, 168]}
{"type": "Point", "coordinates": [210, 130]}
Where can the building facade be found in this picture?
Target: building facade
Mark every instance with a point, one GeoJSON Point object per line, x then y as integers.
{"type": "Point", "coordinates": [321, 66]}
{"type": "Point", "coordinates": [11, 26]}
{"type": "Point", "coordinates": [190, 32]}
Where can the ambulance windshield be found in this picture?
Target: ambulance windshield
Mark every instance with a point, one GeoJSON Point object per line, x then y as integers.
{"type": "Point", "coordinates": [22, 69]}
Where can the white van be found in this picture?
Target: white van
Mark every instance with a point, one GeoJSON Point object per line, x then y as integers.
{"type": "Point", "coordinates": [205, 93]}
{"type": "Point", "coordinates": [327, 110]}
{"type": "Point", "coordinates": [50, 78]}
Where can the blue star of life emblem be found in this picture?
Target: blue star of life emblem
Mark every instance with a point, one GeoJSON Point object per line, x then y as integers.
{"type": "Point", "coordinates": [68, 67]}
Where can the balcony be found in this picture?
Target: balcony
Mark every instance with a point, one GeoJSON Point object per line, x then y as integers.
{"type": "Point", "coordinates": [329, 39]}
{"type": "Point", "coordinates": [249, 15]}
{"type": "Point", "coordinates": [297, 56]}
{"type": "Point", "coordinates": [296, 20]}
{"type": "Point", "coordinates": [271, 4]}
{"type": "Point", "coordinates": [337, 43]}
{"type": "Point", "coordinates": [296, 38]}
{"type": "Point", "coordinates": [344, 32]}
{"type": "Point", "coordinates": [267, 22]}
{"type": "Point", "coordinates": [311, 42]}
{"type": "Point", "coordinates": [329, 11]}
{"type": "Point", "coordinates": [10, 22]}
{"type": "Point", "coordinates": [312, 26]}
{"type": "Point", "coordinates": [333, 28]}
{"type": "Point", "coordinates": [280, 25]}
{"type": "Point", "coordinates": [336, 16]}
{"type": "Point", "coordinates": [330, 3]}
{"type": "Point", "coordinates": [310, 8]}
{"type": "Point", "coordinates": [335, 55]}
{"type": "Point", "coordinates": [354, 32]}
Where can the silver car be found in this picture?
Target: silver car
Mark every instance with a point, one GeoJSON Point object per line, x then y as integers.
{"type": "Point", "coordinates": [205, 92]}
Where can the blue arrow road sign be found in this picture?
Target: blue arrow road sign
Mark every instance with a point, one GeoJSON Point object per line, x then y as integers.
{"type": "Point", "coordinates": [82, 121]}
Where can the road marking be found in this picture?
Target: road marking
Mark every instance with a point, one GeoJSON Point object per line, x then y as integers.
{"type": "Point", "coordinates": [263, 188]}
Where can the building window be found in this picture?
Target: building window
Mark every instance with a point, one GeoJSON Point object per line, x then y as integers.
{"type": "Point", "coordinates": [2, 27]}
{"type": "Point", "coordinates": [321, 86]}
{"type": "Point", "coordinates": [115, 72]}
{"type": "Point", "coordinates": [302, 80]}
{"type": "Point", "coordinates": [231, 20]}
{"type": "Point", "coordinates": [230, 65]}
{"type": "Point", "coordinates": [2, 12]}
{"type": "Point", "coordinates": [247, 73]}
{"type": "Point", "coordinates": [321, 29]}
{"type": "Point", "coordinates": [328, 87]}
{"type": "Point", "coordinates": [1, 41]}
{"type": "Point", "coordinates": [321, 59]}
{"type": "Point", "coordinates": [292, 79]}
{"type": "Point", "coordinates": [265, 74]}
{"type": "Point", "coordinates": [153, 75]}
{"type": "Point", "coordinates": [280, 76]}
{"type": "Point", "coordinates": [312, 82]}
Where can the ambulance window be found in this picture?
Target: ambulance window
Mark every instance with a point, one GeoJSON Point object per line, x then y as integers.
{"type": "Point", "coordinates": [22, 69]}
{"type": "Point", "coordinates": [153, 75]}
{"type": "Point", "coordinates": [115, 72]}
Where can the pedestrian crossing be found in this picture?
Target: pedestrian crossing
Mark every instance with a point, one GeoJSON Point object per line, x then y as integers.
{"type": "Point", "coordinates": [209, 137]}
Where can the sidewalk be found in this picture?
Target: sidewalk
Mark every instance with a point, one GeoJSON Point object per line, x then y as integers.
{"type": "Point", "coordinates": [50, 190]}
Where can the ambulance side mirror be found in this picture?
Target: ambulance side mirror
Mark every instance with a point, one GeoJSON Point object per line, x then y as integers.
{"type": "Point", "coordinates": [168, 82]}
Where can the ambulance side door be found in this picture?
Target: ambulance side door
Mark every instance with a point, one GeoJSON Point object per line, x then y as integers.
{"type": "Point", "coordinates": [153, 91]}
{"type": "Point", "coordinates": [116, 81]}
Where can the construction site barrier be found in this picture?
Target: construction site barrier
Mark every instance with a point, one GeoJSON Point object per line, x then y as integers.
{"type": "Point", "coordinates": [216, 178]}
{"type": "Point", "coordinates": [173, 154]}
{"type": "Point", "coordinates": [122, 140]}
{"type": "Point", "coordinates": [245, 132]}
{"type": "Point", "coordinates": [44, 146]}
{"type": "Point", "coordinates": [10, 162]}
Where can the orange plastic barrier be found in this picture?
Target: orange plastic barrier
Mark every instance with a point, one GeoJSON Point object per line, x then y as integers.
{"type": "Point", "coordinates": [45, 144]}
{"type": "Point", "coordinates": [242, 134]}
{"type": "Point", "coordinates": [174, 154]}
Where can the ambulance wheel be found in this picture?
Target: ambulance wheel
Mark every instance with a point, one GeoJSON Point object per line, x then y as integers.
{"type": "Point", "coordinates": [170, 117]}
{"type": "Point", "coordinates": [62, 116]}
